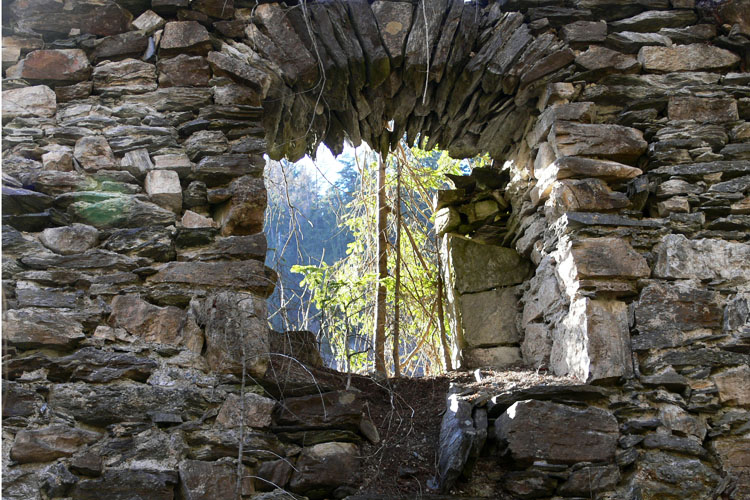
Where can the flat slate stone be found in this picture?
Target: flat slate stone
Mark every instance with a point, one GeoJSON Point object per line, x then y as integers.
{"type": "Point", "coordinates": [558, 434]}
{"type": "Point", "coordinates": [59, 66]}
{"type": "Point", "coordinates": [694, 57]}
{"type": "Point", "coordinates": [240, 275]}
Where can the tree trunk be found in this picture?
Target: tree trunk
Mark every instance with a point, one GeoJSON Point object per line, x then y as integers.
{"type": "Point", "coordinates": [441, 316]}
{"type": "Point", "coordinates": [397, 292]}
{"type": "Point", "coordinates": [380, 299]}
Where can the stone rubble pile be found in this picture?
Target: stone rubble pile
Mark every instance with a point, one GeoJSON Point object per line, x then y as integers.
{"type": "Point", "coordinates": [612, 245]}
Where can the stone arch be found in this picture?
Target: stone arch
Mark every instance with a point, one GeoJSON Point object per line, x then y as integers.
{"type": "Point", "coordinates": [133, 142]}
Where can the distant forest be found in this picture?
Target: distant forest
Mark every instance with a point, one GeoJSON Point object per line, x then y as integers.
{"type": "Point", "coordinates": [322, 238]}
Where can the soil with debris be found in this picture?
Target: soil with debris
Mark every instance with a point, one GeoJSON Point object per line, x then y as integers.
{"type": "Point", "coordinates": [408, 413]}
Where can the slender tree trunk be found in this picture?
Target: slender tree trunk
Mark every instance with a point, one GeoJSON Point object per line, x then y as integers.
{"type": "Point", "coordinates": [380, 299]}
{"type": "Point", "coordinates": [397, 292]}
{"type": "Point", "coordinates": [441, 316]}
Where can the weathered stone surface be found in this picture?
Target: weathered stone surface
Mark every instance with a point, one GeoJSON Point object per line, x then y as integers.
{"type": "Point", "coordinates": [337, 410]}
{"type": "Point", "coordinates": [703, 109]}
{"type": "Point", "coordinates": [298, 64]}
{"type": "Point", "coordinates": [490, 357]}
{"type": "Point", "coordinates": [576, 167]}
{"type": "Point", "coordinates": [540, 430]}
{"type": "Point", "coordinates": [149, 21]}
{"type": "Point", "coordinates": [599, 61]}
{"type": "Point", "coordinates": [694, 57]}
{"type": "Point", "coordinates": [612, 142]}
{"type": "Point", "coordinates": [735, 13]}
{"type": "Point", "coordinates": [57, 66]}
{"type": "Point", "coordinates": [460, 437]}
{"type": "Point", "coordinates": [67, 240]}
{"type": "Point", "coordinates": [631, 42]}
{"type": "Point", "coordinates": [584, 195]}
{"type": "Point", "coordinates": [19, 201]}
{"type": "Point", "coordinates": [595, 341]}
{"type": "Point", "coordinates": [488, 318]}
{"type": "Point", "coordinates": [324, 467]}
{"type": "Point", "coordinates": [732, 450]}
{"type": "Point", "coordinates": [235, 327]}
{"type": "Point", "coordinates": [129, 76]}
{"type": "Point", "coordinates": [575, 111]}
{"type": "Point", "coordinates": [20, 401]}
{"type": "Point", "coordinates": [248, 275]}
{"type": "Point", "coordinates": [256, 413]}
{"type": "Point", "coordinates": [584, 32]}
{"type": "Point", "coordinates": [48, 443]}
{"type": "Point", "coordinates": [210, 480]}
{"type": "Point", "coordinates": [94, 153]}
{"type": "Point", "coordinates": [102, 18]}
{"type": "Point", "coordinates": [366, 27]}
{"type": "Point", "coordinates": [123, 484]}
{"type": "Point", "coordinates": [87, 364]}
{"type": "Point", "coordinates": [272, 474]}
{"type": "Point", "coordinates": [215, 444]}
{"type": "Point", "coordinates": [244, 212]}
{"type": "Point", "coordinates": [184, 37]}
{"type": "Point", "coordinates": [661, 475]}
{"type": "Point", "coordinates": [733, 386]}
{"type": "Point", "coordinates": [206, 143]}
{"type": "Point", "coordinates": [220, 9]}
{"type": "Point", "coordinates": [178, 162]}
{"type": "Point", "coordinates": [172, 99]}
{"type": "Point", "coordinates": [592, 479]}
{"type": "Point", "coordinates": [151, 242]}
{"type": "Point", "coordinates": [191, 219]}
{"type": "Point", "coordinates": [231, 65]}
{"type": "Point", "coordinates": [163, 187]}
{"type": "Point", "coordinates": [184, 71]}
{"type": "Point", "coordinates": [529, 484]}
{"type": "Point", "coordinates": [58, 159]}
{"type": "Point", "coordinates": [723, 262]}
{"type": "Point", "coordinates": [601, 258]}
{"type": "Point", "coordinates": [131, 43]}
{"type": "Point", "coordinates": [499, 266]}
{"type": "Point", "coordinates": [653, 20]}
{"type": "Point", "coordinates": [46, 328]}
{"type": "Point", "coordinates": [672, 315]}
{"type": "Point", "coordinates": [68, 93]}
{"type": "Point", "coordinates": [146, 321]}
{"type": "Point", "coordinates": [120, 211]}
{"type": "Point", "coordinates": [39, 101]}
{"type": "Point", "coordinates": [103, 405]}
{"type": "Point", "coordinates": [394, 22]}
{"type": "Point", "coordinates": [137, 162]}
{"type": "Point", "coordinates": [232, 247]}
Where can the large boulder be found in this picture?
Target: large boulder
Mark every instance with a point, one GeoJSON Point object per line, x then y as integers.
{"type": "Point", "coordinates": [323, 468]}
{"type": "Point", "coordinates": [66, 240]}
{"type": "Point", "coordinates": [723, 262]}
{"type": "Point", "coordinates": [235, 329]}
{"type": "Point", "coordinates": [594, 341]}
{"type": "Point", "coordinates": [210, 480]}
{"type": "Point", "coordinates": [559, 434]}
{"type": "Point", "coordinates": [146, 321]}
{"type": "Point", "coordinates": [252, 411]}
{"type": "Point", "coordinates": [48, 443]}
{"type": "Point", "coordinates": [37, 101]}
{"type": "Point", "coordinates": [613, 142]}
{"type": "Point", "coordinates": [56, 66]}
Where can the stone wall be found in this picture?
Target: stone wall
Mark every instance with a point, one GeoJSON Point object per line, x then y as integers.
{"type": "Point", "coordinates": [608, 242]}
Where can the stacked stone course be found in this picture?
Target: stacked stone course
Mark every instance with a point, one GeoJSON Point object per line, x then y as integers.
{"type": "Point", "coordinates": [608, 242]}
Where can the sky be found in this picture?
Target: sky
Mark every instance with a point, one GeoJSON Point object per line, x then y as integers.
{"type": "Point", "coordinates": [327, 166]}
